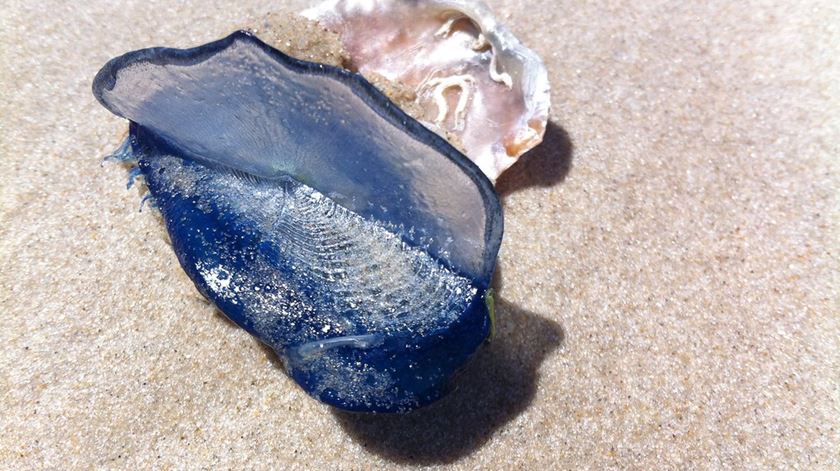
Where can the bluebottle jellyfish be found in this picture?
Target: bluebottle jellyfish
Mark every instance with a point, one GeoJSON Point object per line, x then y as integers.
{"type": "Point", "coordinates": [315, 214]}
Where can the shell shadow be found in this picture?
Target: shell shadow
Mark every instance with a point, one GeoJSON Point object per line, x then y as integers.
{"type": "Point", "coordinates": [497, 385]}
{"type": "Point", "coordinates": [545, 165]}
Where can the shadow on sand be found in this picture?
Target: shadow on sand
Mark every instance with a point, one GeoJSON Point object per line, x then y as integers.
{"type": "Point", "coordinates": [494, 388]}
{"type": "Point", "coordinates": [544, 166]}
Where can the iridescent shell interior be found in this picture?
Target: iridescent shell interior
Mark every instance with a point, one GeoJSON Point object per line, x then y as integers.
{"type": "Point", "coordinates": [476, 84]}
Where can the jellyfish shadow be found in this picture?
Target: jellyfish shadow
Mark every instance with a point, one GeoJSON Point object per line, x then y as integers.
{"type": "Point", "coordinates": [545, 165]}
{"type": "Point", "coordinates": [497, 385]}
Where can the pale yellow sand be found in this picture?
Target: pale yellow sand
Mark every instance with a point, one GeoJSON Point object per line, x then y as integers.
{"type": "Point", "coordinates": [668, 283]}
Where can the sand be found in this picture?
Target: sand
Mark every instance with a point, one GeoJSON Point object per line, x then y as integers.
{"type": "Point", "coordinates": [668, 282]}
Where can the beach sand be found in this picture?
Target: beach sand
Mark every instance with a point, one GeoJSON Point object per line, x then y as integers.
{"type": "Point", "coordinates": [668, 289]}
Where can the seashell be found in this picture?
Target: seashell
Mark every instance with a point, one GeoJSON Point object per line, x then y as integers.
{"type": "Point", "coordinates": [474, 81]}
{"type": "Point", "coordinates": [314, 214]}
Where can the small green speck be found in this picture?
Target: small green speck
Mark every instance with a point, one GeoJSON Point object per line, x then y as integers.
{"type": "Point", "coordinates": [491, 309]}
